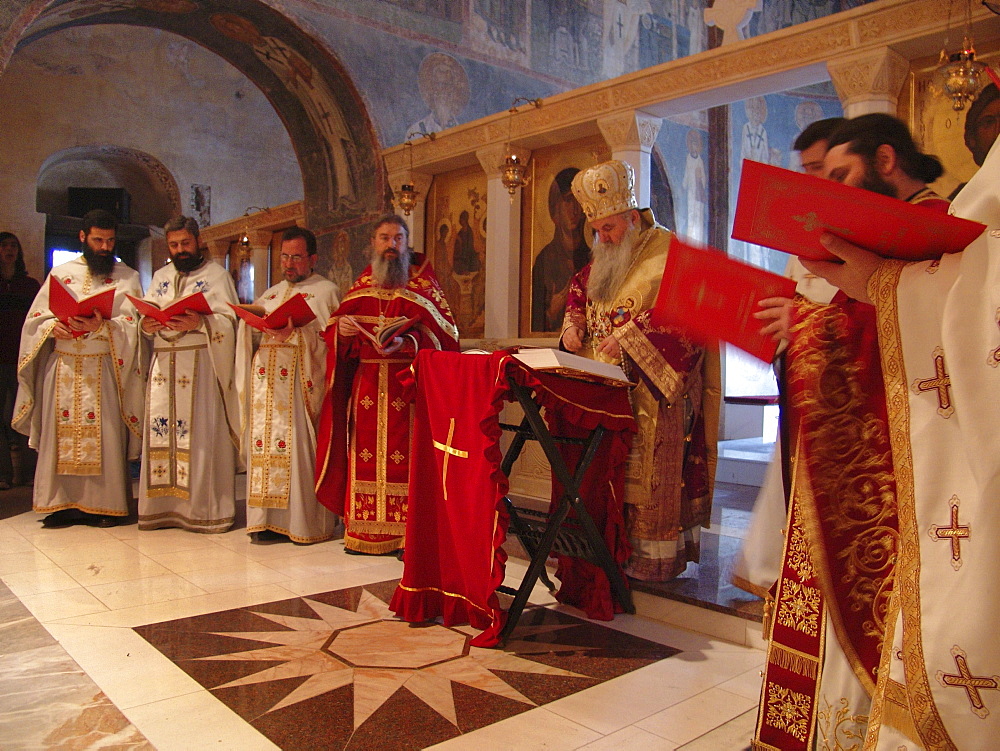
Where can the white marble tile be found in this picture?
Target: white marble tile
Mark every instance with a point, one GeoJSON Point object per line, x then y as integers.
{"type": "Point", "coordinates": [13, 563]}
{"type": "Point", "coordinates": [696, 716]}
{"type": "Point", "coordinates": [246, 574]}
{"type": "Point", "coordinates": [66, 603]}
{"type": "Point", "coordinates": [745, 684]}
{"type": "Point", "coordinates": [135, 566]}
{"type": "Point", "coordinates": [108, 549]}
{"type": "Point", "coordinates": [12, 541]}
{"type": "Point", "coordinates": [39, 581]}
{"type": "Point", "coordinates": [735, 734]}
{"type": "Point", "coordinates": [69, 537]}
{"type": "Point", "coordinates": [648, 690]}
{"type": "Point", "coordinates": [343, 579]}
{"type": "Point", "coordinates": [534, 729]}
{"type": "Point", "coordinates": [183, 608]}
{"type": "Point", "coordinates": [130, 670]}
{"type": "Point", "coordinates": [325, 562]}
{"type": "Point", "coordinates": [710, 622]}
{"type": "Point", "coordinates": [198, 559]}
{"type": "Point", "coordinates": [155, 589]}
{"type": "Point", "coordinates": [170, 541]}
{"type": "Point", "coordinates": [195, 721]}
{"type": "Point", "coordinates": [631, 738]}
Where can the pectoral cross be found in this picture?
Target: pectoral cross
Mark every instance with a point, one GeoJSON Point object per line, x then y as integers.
{"type": "Point", "coordinates": [449, 451]}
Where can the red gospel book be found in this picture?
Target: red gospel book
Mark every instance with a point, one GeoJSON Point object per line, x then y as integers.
{"type": "Point", "coordinates": [294, 309]}
{"type": "Point", "coordinates": [712, 296]}
{"type": "Point", "coordinates": [64, 305]}
{"type": "Point", "coordinates": [195, 302]}
{"type": "Point", "coordinates": [789, 211]}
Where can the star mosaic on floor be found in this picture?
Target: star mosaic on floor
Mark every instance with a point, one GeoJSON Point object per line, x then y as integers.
{"type": "Point", "coordinates": [337, 670]}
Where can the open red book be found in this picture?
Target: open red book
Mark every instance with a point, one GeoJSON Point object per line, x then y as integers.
{"type": "Point", "coordinates": [294, 309]}
{"type": "Point", "coordinates": [712, 296]}
{"type": "Point", "coordinates": [195, 302]}
{"type": "Point", "coordinates": [64, 305]}
{"type": "Point", "coordinates": [789, 211]}
{"type": "Point", "coordinates": [392, 328]}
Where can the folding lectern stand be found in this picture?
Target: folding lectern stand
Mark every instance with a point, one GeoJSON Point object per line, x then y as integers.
{"type": "Point", "coordinates": [542, 534]}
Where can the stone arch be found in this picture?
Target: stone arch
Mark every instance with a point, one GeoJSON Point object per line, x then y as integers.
{"type": "Point", "coordinates": [325, 116]}
{"type": "Point", "coordinates": [152, 188]}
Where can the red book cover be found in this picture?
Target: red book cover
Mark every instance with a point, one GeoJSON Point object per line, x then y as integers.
{"type": "Point", "coordinates": [294, 309]}
{"type": "Point", "coordinates": [788, 211]}
{"type": "Point", "coordinates": [195, 302]}
{"type": "Point", "coordinates": [712, 296]}
{"type": "Point", "coordinates": [64, 305]}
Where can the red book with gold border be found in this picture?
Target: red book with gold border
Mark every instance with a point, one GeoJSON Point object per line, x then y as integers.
{"type": "Point", "coordinates": [788, 211]}
{"type": "Point", "coordinates": [294, 309]}
{"type": "Point", "coordinates": [711, 296]}
{"type": "Point", "coordinates": [195, 302]}
{"type": "Point", "coordinates": [64, 305]}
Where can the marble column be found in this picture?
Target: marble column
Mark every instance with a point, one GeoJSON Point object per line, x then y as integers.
{"type": "Point", "coordinates": [870, 81]}
{"type": "Point", "coordinates": [503, 244]}
{"type": "Point", "coordinates": [630, 136]}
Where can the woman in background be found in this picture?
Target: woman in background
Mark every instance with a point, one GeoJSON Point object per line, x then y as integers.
{"type": "Point", "coordinates": [17, 290]}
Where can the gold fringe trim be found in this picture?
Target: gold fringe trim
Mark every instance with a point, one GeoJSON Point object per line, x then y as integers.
{"type": "Point", "coordinates": [793, 661]}
{"type": "Point", "coordinates": [899, 718]}
{"type": "Point", "coordinates": [372, 548]}
{"type": "Point", "coordinates": [756, 745]}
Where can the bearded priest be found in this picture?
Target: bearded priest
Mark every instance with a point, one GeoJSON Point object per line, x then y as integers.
{"type": "Point", "coordinates": [363, 452]}
{"type": "Point", "coordinates": [671, 468]}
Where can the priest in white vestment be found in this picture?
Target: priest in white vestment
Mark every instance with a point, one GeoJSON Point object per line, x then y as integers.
{"type": "Point", "coordinates": [79, 397]}
{"type": "Point", "coordinates": [279, 379]}
{"type": "Point", "coordinates": [939, 678]}
{"type": "Point", "coordinates": [189, 456]}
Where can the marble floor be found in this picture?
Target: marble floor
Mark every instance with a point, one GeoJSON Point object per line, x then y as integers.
{"type": "Point", "coordinates": [105, 634]}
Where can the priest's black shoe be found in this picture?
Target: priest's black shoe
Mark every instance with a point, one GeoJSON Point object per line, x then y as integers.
{"type": "Point", "coordinates": [100, 520]}
{"type": "Point", "coordinates": [66, 517]}
{"type": "Point", "coordinates": [266, 537]}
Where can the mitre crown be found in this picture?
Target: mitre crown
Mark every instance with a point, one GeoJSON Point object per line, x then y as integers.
{"type": "Point", "coordinates": [605, 189]}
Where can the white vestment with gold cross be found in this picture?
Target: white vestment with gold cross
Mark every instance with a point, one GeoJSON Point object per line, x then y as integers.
{"type": "Point", "coordinates": [280, 386]}
{"type": "Point", "coordinates": [80, 401]}
{"type": "Point", "coordinates": [189, 456]}
{"type": "Point", "coordinates": [939, 682]}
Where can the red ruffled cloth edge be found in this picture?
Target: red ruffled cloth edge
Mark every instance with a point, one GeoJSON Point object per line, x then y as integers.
{"type": "Point", "coordinates": [415, 607]}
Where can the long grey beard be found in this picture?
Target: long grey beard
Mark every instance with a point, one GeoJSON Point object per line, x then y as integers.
{"type": "Point", "coordinates": [610, 266]}
{"type": "Point", "coordinates": [392, 272]}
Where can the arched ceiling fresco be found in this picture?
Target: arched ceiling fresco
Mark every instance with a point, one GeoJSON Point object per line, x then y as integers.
{"type": "Point", "coordinates": [325, 117]}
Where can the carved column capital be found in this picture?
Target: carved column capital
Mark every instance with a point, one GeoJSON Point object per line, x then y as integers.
{"type": "Point", "coordinates": [630, 131]}
{"type": "Point", "coordinates": [870, 81]}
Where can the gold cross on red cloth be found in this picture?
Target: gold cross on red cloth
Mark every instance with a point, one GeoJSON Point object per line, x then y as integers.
{"type": "Point", "coordinates": [449, 451]}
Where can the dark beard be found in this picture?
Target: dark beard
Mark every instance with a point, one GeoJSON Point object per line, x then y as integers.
{"type": "Point", "coordinates": [873, 181]}
{"type": "Point", "coordinates": [391, 272]}
{"type": "Point", "coordinates": [186, 264]}
{"type": "Point", "coordinates": [100, 264]}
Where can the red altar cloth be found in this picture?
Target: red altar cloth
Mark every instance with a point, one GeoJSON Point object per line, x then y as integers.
{"type": "Point", "coordinates": [457, 521]}
{"type": "Point", "coordinates": [572, 410]}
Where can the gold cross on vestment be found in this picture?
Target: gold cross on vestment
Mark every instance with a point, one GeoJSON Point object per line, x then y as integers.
{"type": "Point", "coordinates": [971, 683]}
{"type": "Point", "coordinates": [448, 450]}
{"type": "Point", "coordinates": [955, 532]}
{"type": "Point", "coordinates": [941, 383]}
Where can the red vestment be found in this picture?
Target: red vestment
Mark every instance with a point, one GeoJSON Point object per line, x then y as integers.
{"type": "Point", "coordinates": [363, 445]}
{"type": "Point", "coordinates": [842, 533]}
